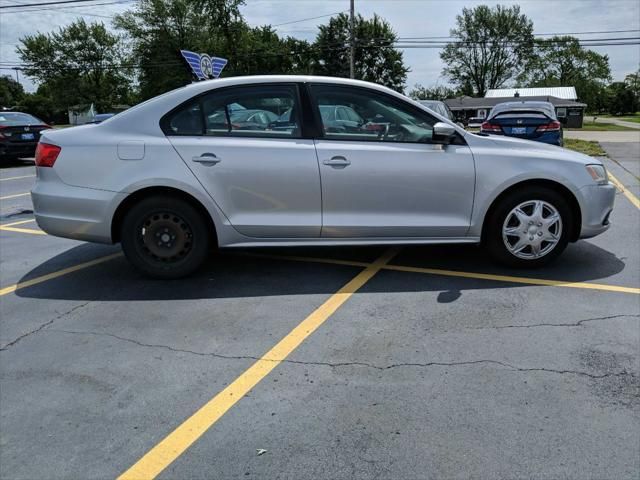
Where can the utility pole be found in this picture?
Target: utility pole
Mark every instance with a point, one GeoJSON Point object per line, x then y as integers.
{"type": "Point", "coordinates": [352, 52]}
{"type": "Point", "coordinates": [17, 77]}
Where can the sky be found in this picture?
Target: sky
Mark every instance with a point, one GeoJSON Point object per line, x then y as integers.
{"type": "Point", "coordinates": [409, 18]}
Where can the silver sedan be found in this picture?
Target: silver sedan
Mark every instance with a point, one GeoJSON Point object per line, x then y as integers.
{"type": "Point", "coordinates": [179, 175]}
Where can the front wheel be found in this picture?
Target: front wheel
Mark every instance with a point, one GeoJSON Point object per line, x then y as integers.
{"type": "Point", "coordinates": [529, 228]}
{"type": "Point", "coordinates": [165, 237]}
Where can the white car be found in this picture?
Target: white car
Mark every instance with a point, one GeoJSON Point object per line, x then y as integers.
{"type": "Point", "coordinates": [174, 177]}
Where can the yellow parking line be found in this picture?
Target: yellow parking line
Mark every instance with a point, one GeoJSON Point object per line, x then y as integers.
{"type": "Point", "coordinates": [21, 222]}
{"type": "Point", "coordinates": [16, 178]}
{"type": "Point", "coordinates": [22, 230]}
{"type": "Point", "coordinates": [632, 198]}
{"type": "Point", "coordinates": [59, 273]}
{"type": "Point", "coordinates": [458, 273]}
{"type": "Point", "coordinates": [508, 278]}
{"type": "Point", "coordinates": [174, 444]}
{"type": "Point", "coordinates": [15, 196]}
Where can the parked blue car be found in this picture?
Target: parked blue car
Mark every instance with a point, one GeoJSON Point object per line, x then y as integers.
{"type": "Point", "coordinates": [528, 120]}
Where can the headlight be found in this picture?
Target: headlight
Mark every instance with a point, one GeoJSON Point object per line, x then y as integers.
{"type": "Point", "coordinates": [598, 173]}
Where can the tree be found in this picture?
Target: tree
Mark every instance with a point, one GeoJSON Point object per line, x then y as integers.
{"type": "Point", "coordinates": [437, 92]}
{"type": "Point", "coordinates": [80, 64]}
{"type": "Point", "coordinates": [621, 99]}
{"type": "Point", "coordinates": [158, 29]}
{"type": "Point", "coordinates": [491, 47]}
{"type": "Point", "coordinates": [633, 81]}
{"type": "Point", "coordinates": [11, 92]}
{"type": "Point", "coordinates": [562, 61]}
{"type": "Point", "coordinates": [376, 60]}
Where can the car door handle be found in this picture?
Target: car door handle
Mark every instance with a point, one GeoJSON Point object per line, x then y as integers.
{"type": "Point", "coordinates": [337, 162]}
{"type": "Point", "coordinates": [207, 159]}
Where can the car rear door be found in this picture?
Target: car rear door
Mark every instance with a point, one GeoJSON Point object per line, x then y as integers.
{"type": "Point", "coordinates": [265, 181]}
{"type": "Point", "coordinates": [389, 179]}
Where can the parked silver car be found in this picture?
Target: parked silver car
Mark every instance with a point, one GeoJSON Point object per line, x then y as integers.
{"type": "Point", "coordinates": [169, 184]}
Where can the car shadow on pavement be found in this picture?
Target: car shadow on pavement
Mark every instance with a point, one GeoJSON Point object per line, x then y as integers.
{"type": "Point", "coordinates": [236, 274]}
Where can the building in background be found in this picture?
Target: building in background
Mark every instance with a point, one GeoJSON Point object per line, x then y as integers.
{"type": "Point", "coordinates": [564, 99]}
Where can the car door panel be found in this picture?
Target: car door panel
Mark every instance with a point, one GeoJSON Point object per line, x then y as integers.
{"type": "Point", "coordinates": [267, 187]}
{"type": "Point", "coordinates": [395, 189]}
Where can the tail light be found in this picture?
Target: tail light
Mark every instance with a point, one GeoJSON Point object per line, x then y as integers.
{"type": "Point", "coordinates": [490, 127]}
{"type": "Point", "coordinates": [46, 154]}
{"type": "Point", "coordinates": [549, 127]}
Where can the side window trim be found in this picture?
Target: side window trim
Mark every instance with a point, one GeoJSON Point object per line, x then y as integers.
{"type": "Point", "coordinates": [198, 99]}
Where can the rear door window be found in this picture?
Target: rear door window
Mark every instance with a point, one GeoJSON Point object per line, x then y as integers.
{"type": "Point", "coordinates": [249, 111]}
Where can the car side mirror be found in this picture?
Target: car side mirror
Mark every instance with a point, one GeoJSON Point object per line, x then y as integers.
{"type": "Point", "coordinates": [442, 132]}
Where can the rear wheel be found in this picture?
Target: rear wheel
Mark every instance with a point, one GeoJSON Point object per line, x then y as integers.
{"type": "Point", "coordinates": [165, 237]}
{"type": "Point", "coordinates": [529, 228]}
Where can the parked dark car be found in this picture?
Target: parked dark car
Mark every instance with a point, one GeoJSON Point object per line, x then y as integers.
{"type": "Point", "coordinates": [19, 134]}
{"type": "Point", "coordinates": [528, 120]}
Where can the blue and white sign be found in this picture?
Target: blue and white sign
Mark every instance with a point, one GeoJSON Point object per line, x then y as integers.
{"type": "Point", "coordinates": [203, 66]}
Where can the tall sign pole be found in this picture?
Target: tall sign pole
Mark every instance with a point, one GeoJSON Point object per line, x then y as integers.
{"type": "Point", "coordinates": [352, 51]}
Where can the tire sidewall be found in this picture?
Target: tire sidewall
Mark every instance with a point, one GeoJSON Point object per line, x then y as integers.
{"type": "Point", "coordinates": [133, 250]}
{"type": "Point", "coordinates": [495, 242]}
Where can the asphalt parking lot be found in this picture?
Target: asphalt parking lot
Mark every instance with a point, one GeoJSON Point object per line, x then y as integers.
{"type": "Point", "coordinates": [418, 362]}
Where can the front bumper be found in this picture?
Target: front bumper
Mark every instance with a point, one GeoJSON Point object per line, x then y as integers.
{"type": "Point", "coordinates": [73, 212]}
{"type": "Point", "coordinates": [596, 208]}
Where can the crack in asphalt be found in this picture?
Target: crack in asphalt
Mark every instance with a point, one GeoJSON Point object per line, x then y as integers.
{"type": "Point", "coordinates": [579, 323]}
{"type": "Point", "coordinates": [350, 364]}
{"type": "Point", "coordinates": [42, 326]}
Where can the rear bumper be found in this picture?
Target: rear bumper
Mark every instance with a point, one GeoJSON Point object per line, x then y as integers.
{"type": "Point", "coordinates": [596, 208]}
{"type": "Point", "coordinates": [73, 212]}
{"type": "Point", "coordinates": [18, 149]}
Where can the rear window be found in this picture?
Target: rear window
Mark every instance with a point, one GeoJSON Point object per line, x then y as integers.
{"type": "Point", "coordinates": [14, 119]}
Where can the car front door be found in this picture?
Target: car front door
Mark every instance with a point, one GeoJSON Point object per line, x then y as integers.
{"type": "Point", "coordinates": [265, 181]}
{"type": "Point", "coordinates": [389, 178]}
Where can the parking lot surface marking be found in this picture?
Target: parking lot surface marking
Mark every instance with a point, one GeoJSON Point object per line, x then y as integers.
{"type": "Point", "coordinates": [15, 196]}
{"type": "Point", "coordinates": [56, 274]}
{"type": "Point", "coordinates": [15, 178]}
{"type": "Point", "coordinates": [21, 222]}
{"type": "Point", "coordinates": [457, 273]}
{"type": "Point", "coordinates": [22, 230]}
{"type": "Point", "coordinates": [173, 445]}
{"type": "Point", "coordinates": [632, 198]}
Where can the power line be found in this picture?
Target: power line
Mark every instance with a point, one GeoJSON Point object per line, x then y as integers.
{"type": "Point", "coordinates": [310, 18]}
{"type": "Point", "coordinates": [56, 2]}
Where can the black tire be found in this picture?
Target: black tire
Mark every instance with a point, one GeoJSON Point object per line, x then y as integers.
{"type": "Point", "coordinates": [165, 237]}
{"type": "Point", "coordinates": [493, 232]}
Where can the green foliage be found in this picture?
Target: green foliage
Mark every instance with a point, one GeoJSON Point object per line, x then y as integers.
{"type": "Point", "coordinates": [491, 47]}
{"type": "Point", "coordinates": [158, 29]}
{"type": "Point", "coordinates": [78, 64]}
{"type": "Point", "coordinates": [562, 61]}
{"type": "Point", "coordinates": [622, 99]}
{"type": "Point", "coordinates": [11, 92]}
{"type": "Point", "coordinates": [376, 60]}
{"type": "Point", "coordinates": [437, 92]}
